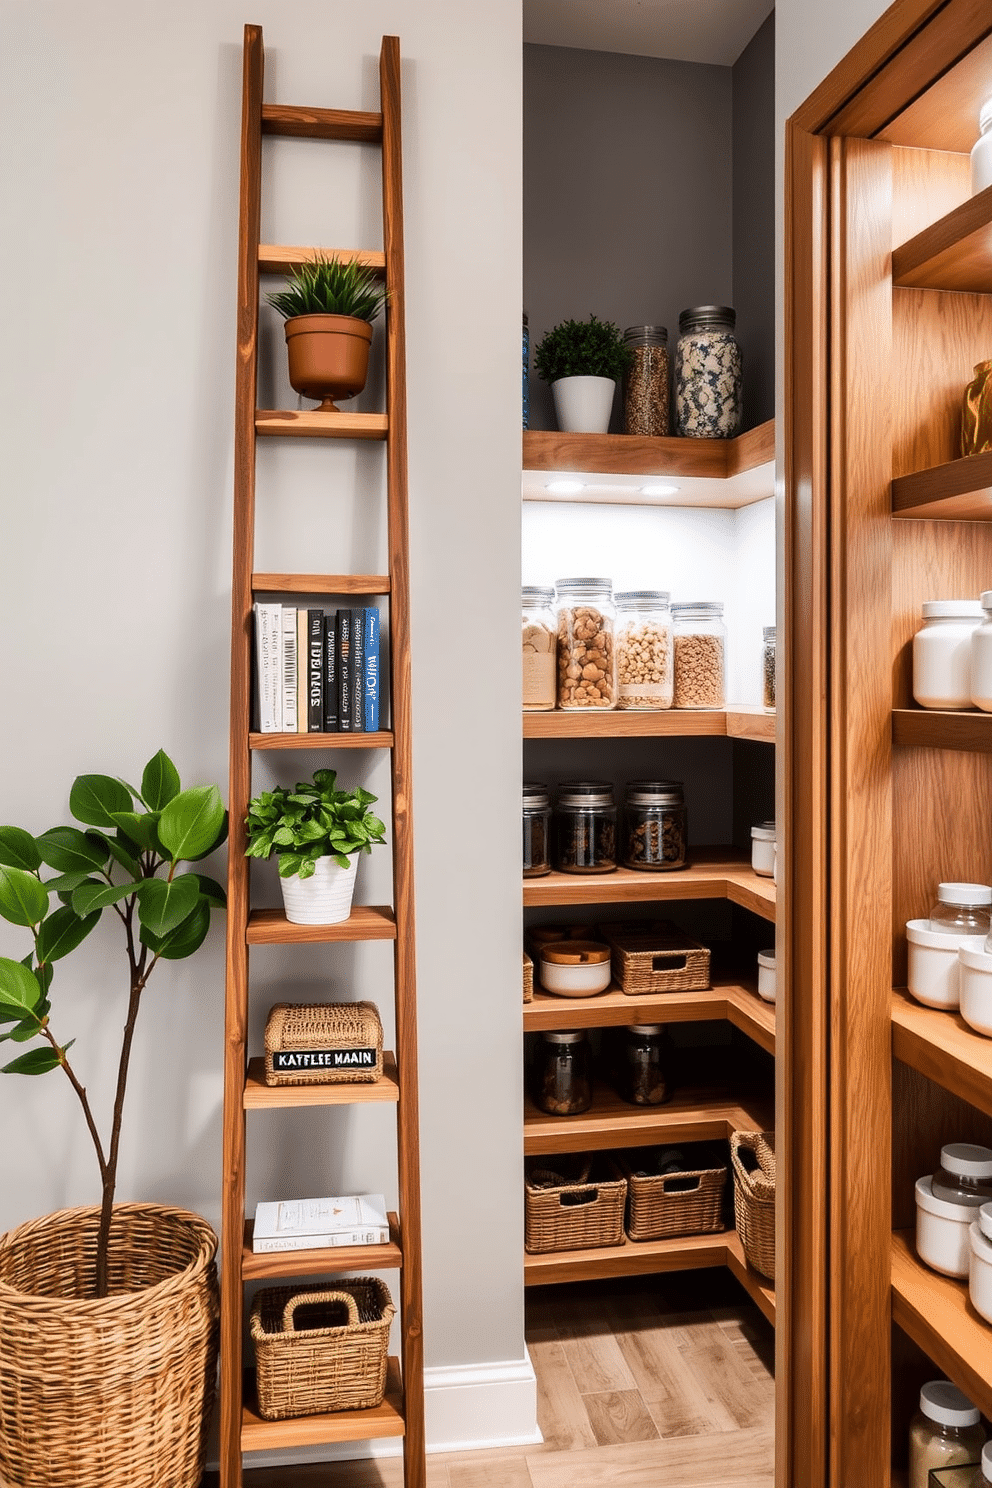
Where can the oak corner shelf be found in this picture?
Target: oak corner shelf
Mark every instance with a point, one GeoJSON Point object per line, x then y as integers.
{"type": "Point", "coordinates": [260, 1097]}
{"type": "Point", "coordinates": [259, 1435]}
{"type": "Point", "coordinates": [714, 873]}
{"type": "Point", "coordinates": [958, 491]}
{"type": "Point", "coordinates": [692, 1115]}
{"type": "Point", "coordinates": [954, 253]}
{"type": "Point", "coordinates": [937, 1315]}
{"type": "Point", "coordinates": [284, 1264]}
{"type": "Point", "coordinates": [939, 1044]}
{"type": "Point", "coordinates": [366, 922]}
{"type": "Point", "coordinates": [742, 722]}
{"type": "Point", "coordinates": [738, 1004]}
{"type": "Point", "coordinates": [933, 728]}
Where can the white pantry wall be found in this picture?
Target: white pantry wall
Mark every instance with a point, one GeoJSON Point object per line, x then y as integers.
{"type": "Point", "coordinates": [120, 170]}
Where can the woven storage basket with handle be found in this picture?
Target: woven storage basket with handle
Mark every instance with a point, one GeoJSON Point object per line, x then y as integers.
{"type": "Point", "coordinates": [663, 1205]}
{"type": "Point", "coordinates": [574, 1207]}
{"type": "Point", "coordinates": [528, 978]}
{"type": "Point", "coordinates": [753, 1157]}
{"type": "Point", "coordinates": [656, 957]}
{"type": "Point", "coordinates": [321, 1350]}
{"type": "Point", "coordinates": [323, 1043]}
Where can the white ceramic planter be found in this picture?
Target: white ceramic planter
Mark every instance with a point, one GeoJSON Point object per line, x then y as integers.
{"type": "Point", "coordinates": [763, 849]}
{"type": "Point", "coordinates": [323, 899]}
{"type": "Point", "coordinates": [766, 975]}
{"type": "Point", "coordinates": [934, 970]}
{"type": "Point", "coordinates": [980, 1270]}
{"type": "Point", "coordinates": [942, 1239]}
{"type": "Point", "coordinates": [583, 404]}
{"type": "Point", "coordinates": [975, 979]}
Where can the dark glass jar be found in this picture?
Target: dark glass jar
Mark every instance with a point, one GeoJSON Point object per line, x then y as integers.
{"type": "Point", "coordinates": [537, 829]}
{"type": "Point", "coordinates": [586, 827]}
{"type": "Point", "coordinates": [564, 1073]}
{"type": "Point", "coordinates": [642, 1072]}
{"type": "Point", "coordinates": [654, 832]}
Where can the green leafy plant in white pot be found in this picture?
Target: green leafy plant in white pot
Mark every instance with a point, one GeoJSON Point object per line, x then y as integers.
{"type": "Point", "coordinates": [108, 1314]}
{"type": "Point", "coordinates": [583, 360]}
{"type": "Point", "coordinates": [318, 834]}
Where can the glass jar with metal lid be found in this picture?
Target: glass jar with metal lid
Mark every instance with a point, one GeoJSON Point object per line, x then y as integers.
{"type": "Point", "coordinates": [768, 668]}
{"type": "Point", "coordinates": [962, 909]}
{"type": "Point", "coordinates": [587, 663]}
{"type": "Point", "coordinates": [645, 672]}
{"type": "Point", "coordinates": [654, 831]}
{"type": "Point", "coordinates": [709, 386]}
{"type": "Point", "coordinates": [645, 397]}
{"type": "Point", "coordinates": [946, 1431]}
{"type": "Point", "coordinates": [563, 1074]}
{"type": "Point", "coordinates": [642, 1073]}
{"type": "Point", "coordinates": [537, 829]}
{"type": "Point", "coordinates": [700, 654]}
{"type": "Point", "coordinates": [586, 823]}
{"type": "Point", "coordinates": [539, 641]}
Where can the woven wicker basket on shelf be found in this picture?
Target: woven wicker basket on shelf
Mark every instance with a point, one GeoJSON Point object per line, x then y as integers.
{"type": "Point", "coordinates": [321, 1350]}
{"type": "Point", "coordinates": [656, 957]}
{"type": "Point", "coordinates": [323, 1043]}
{"type": "Point", "coordinates": [572, 1207]}
{"type": "Point", "coordinates": [754, 1197]}
{"type": "Point", "coordinates": [528, 978]}
{"type": "Point", "coordinates": [663, 1205]}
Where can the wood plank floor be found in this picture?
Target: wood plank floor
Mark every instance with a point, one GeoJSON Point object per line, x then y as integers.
{"type": "Point", "coordinates": [642, 1381]}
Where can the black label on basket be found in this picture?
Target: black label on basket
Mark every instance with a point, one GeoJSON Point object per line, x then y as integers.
{"type": "Point", "coordinates": [323, 1059]}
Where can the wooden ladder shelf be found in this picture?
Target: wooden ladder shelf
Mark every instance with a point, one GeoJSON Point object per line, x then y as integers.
{"type": "Point", "coordinates": [402, 1412]}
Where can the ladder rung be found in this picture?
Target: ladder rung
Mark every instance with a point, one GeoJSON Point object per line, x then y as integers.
{"type": "Point", "coordinates": [317, 123]}
{"type": "Point", "coordinates": [381, 740]}
{"type": "Point", "coordinates": [294, 583]}
{"type": "Point", "coordinates": [273, 258]}
{"type": "Point", "coordinates": [312, 424]}
{"type": "Point", "coordinates": [366, 922]}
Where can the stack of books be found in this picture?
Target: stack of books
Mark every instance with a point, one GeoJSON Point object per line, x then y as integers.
{"type": "Point", "coordinates": [316, 671]}
{"type": "Point", "coordinates": [319, 1224]}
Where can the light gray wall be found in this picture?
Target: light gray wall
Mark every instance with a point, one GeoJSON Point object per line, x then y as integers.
{"type": "Point", "coordinates": [120, 164]}
{"type": "Point", "coordinates": [754, 220]}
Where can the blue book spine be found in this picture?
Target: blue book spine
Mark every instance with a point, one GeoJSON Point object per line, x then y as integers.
{"type": "Point", "coordinates": [370, 679]}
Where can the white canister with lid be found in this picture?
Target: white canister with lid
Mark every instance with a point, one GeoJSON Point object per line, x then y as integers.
{"type": "Point", "coordinates": [981, 152]}
{"type": "Point", "coordinates": [766, 975]}
{"type": "Point", "coordinates": [942, 1240]}
{"type": "Point", "coordinates": [763, 848]}
{"type": "Point", "coordinates": [934, 974]}
{"type": "Point", "coordinates": [975, 986]}
{"type": "Point", "coordinates": [981, 639]}
{"type": "Point", "coordinates": [964, 1175]}
{"type": "Point", "coordinates": [945, 1432]}
{"type": "Point", "coordinates": [942, 653]}
{"type": "Point", "coordinates": [980, 1263]}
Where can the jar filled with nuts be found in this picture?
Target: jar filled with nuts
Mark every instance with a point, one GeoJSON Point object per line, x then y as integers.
{"type": "Point", "coordinates": [563, 1084]}
{"type": "Point", "coordinates": [537, 829]}
{"type": "Point", "coordinates": [654, 832]}
{"type": "Point", "coordinates": [700, 655]}
{"type": "Point", "coordinates": [644, 649]}
{"type": "Point", "coordinates": [709, 388]}
{"type": "Point", "coordinates": [645, 396]}
{"type": "Point", "coordinates": [642, 1075]}
{"type": "Point", "coordinates": [539, 636]}
{"type": "Point", "coordinates": [587, 665]}
{"type": "Point", "coordinates": [768, 668]}
{"type": "Point", "coordinates": [587, 827]}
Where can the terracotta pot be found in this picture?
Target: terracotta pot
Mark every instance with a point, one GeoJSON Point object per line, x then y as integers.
{"type": "Point", "coordinates": [976, 421]}
{"type": "Point", "coordinates": [328, 356]}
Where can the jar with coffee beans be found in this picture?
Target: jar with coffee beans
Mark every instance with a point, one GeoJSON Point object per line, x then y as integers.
{"type": "Point", "coordinates": [563, 1073]}
{"type": "Point", "coordinates": [654, 830]}
{"type": "Point", "coordinates": [642, 1074]}
{"type": "Point", "coordinates": [537, 829]}
{"type": "Point", "coordinates": [586, 827]}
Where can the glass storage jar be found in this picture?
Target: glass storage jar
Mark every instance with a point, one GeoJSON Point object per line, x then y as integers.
{"type": "Point", "coordinates": [699, 647]}
{"type": "Point", "coordinates": [968, 1475]}
{"type": "Point", "coordinates": [586, 821]}
{"type": "Point", "coordinates": [654, 831]}
{"type": "Point", "coordinates": [768, 668]}
{"type": "Point", "coordinates": [981, 657]}
{"type": "Point", "coordinates": [563, 1076]}
{"type": "Point", "coordinates": [942, 653]}
{"type": "Point", "coordinates": [539, 640]}
{"type": "Point", "coordinates": [964, 1175]}
{"type": "Point", "coordinates": [709, 386]}
{"type": "Point", "coordinates": [645, 667]}
{"type": "Point", "coordinates": [642, 1071]}
{"type": "Point", "coordinates": [587, 663]}
{"type": "Point", "coordinates": [944, 1432]}
{"type": "Point", "coordinates": [645, 397]}
{"type": "Point", "coordinates": [537, 829]}
{"type": "Point", "coordinates": [962, 909]}
{"type": "Point", "coordinates": [981, 152]}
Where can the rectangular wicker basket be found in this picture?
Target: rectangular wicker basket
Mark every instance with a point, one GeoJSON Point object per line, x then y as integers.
{"type": "Point", "coordinates": [528, 978]}
{"type": "Point", "coordinates": [573, 1207]}
{"type": "Point", "coordinates": [752, 1155]}
{"type": "Point", "coordinates": [322, 1350]}
{"type": "Point", "coordinates": [656, 957]}
{"type": "Point", "coordinates": [661, 1206]}
{"type": "Point", "coordinates": [323, 1043]}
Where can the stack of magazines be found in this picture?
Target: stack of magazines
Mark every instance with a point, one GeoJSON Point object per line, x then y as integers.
{"type": "Point", "coordinates": [317, 1224]}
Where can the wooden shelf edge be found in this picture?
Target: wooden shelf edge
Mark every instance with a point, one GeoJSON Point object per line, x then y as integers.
{"type": "Point", "coordinates": [633, 454]}
{"type": "Point", "coordinates": [259, 1096]}
{"type": "Point", "coordinates": [631, 1258]}
{"type": "Point", "coordinates": [940, 1045]}
{"type": "Point", "coordinates": [760, 1289]}
{"type": "Point", "coordinates": [669, 723]}
{"type": "Point", "coordinates": [734, 1001]}
{"type": "Point", "coordinates": [381, 740]}
{"type": "Point", "coordinates": [932, 728]}
{"type": "Point", "coordinates": [611, 1124]}
{"type": "Point", "coordinates": [312, 424]}
{"type": "Point", "coordinates": [366, 922]}
{"type": "Point", "coordinates": [293, 583]}
{"type": "Point", "coordinates": [280, 258]}
{"type": "Point", "coordinates": [957, 491]}
{"type": "Point", "coordinates": [714, 873]}
{"type": "Point", "coordinates": [951, 253]}
{"type": "Point", "coordinates": [323, 1262]}
{"type": "Point", "coordinates": [935, 1312]}
{"type": "Point", "coordinates": [259, 1435]}
{"type": "Point", "coordinates": [751, 723]}
{"type": "Point", "coordinates": [321, 123]}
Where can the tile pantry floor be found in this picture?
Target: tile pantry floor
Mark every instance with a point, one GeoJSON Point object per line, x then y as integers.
{"type": "Point", "coordinates": [641, 1382]}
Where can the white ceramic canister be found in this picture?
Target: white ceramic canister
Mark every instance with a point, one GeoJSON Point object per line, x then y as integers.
{"type": "Point", "coordinates": [981, 639]}
{"type": "Point", "coordinates": [980, 1263]}
{"type": "Point", "coordinates": [942, 1239]}
{"type": "Point", "coordinates": [934, 971]}
{"type": "Point", "coordinates": [575, 968]}
{"type": "Point", "coordinates": [942, 653]}
{"type": "Point", "coordinates": [981, 152]}
{"type": "Point", "coordinates": [975, 987]}
{"type": "Point", "coordinates": [763, 848]}
{"type": "Point", "coordinates": [766, 975]}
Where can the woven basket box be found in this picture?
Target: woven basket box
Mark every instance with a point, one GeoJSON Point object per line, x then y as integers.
{"type": "Point", "coordinates": [573, 1206]}
{"type": "Point", "coordinates": [753, 1157]}
{"type": "Point", "coordinates": [656, 957]}
{"type": "Point", "coordinates": [321, 1350]}
{"type": "Point", "coordinates": [323, 1043]}
{"type": "Point", "coordinates": [528, 978]}
{"type": "Point", "coordinates": [661, 1206]}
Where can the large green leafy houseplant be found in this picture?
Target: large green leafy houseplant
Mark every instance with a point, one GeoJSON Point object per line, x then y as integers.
{"type": "Point", "coordinates": [583, 348]}
{"type": "Point", "coordinates": [126, 860]}
{"type": "Point", "coordinates": [312, 821]}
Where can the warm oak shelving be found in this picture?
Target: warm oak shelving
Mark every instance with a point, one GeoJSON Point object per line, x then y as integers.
{"type": "Point", "coordinates": [679, 723]}
{"type": "Point", "coordinates": [715, 873]}
{"type": "Point", "coordinates": [366, 922]}
{"type": "Point", "coordinates": [260, 1097]}
{"type": "Point", "coordinates": [954, 253]}
{"type": "Point", "coordinates": [381, 740]}
{"type": "Point", "coordinates": [258, 1435]}
{"type": "Point", "coordinates": [942, 1046]}
{"type": "Point", "coordinates": [939, 729]}
{"type": "Point", "coordinates": [311, 424]}
{"type": "Point", "coordinates": [935, 1312]}
{"type": "Point", "coordinates": [699, 1115]}
{"type": "Point", "coordinates": [324, 1262]}
{"type": "Point", "coordinates": [738, 1004]}
{"type": "Point", "coordinates": [957, 491]}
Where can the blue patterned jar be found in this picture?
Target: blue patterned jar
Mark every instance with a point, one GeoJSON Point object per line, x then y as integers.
{"type": "Point", "coordinates": [709, 387]}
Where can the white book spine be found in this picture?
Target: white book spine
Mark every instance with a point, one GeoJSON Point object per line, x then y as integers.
{"type": "Point", "coordinates": [267, 638]}
{"type": "Point", "coordinates": [372, 1236]}
{"type": "Point", "coordinates": [302, 644]}
{"type": "Point", "coordinates": [289, 669]}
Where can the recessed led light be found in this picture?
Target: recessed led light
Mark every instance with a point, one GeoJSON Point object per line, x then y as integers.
{"type": "Point", "coordinates": [658, 488]}
{"type": "Point", "coordinates": [565, 487]}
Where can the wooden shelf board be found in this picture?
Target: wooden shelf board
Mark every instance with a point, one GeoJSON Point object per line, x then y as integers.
{"type": "Point", "coordinates": [632, 1258]}
{"type": "Point", "coordinates": [271, 1265]}
{"type": "Point", "coordinates": [953, 253]}
{"type": "Point", "coordinates": [751, 723]}
{"type": "Point", "coordinates": [957, 491]}
{"type": "Point", "coordinates": [258, 1435]}
{"type": "Point", "coordinates": [941, 1046]}
{"type": "Point", "coordinates": [932, 728]}
{"type": "Point", "coordinates": [259, 1096]}
{"type": "Point", "coordinates": [935, 1312]}
{"type": "Point", "coordinates": [700, 1115]}
{"type": "Point", "coordinates": [310, 423]}
{"type": "Point", "coordinates": [761, 1290]}
{"type": "Point", "coordinates": [278, 258]}
{"type": "Point", "coordinates": [366, 922]}
{"type": "Point", "coordinates": [381, 740]}
{"type": "Point", "coordinates": [715, 873]}
{"type": "Point", "coordinates": [320, 123]}
{"type": "Point", "coordinates": [739, 1004]}
{"type": "Point", "coordinates": [288, 583]}
{"type": "Point", "coordinates": [669, 723]}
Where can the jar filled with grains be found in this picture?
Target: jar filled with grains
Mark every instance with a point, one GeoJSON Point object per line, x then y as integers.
{"type": "Point", "coordinates": [537, 829]}
{"type": "Point", "coordinates": [768, 668]}
{"type": "Point", "coordinates": [654, 827]}
{"type": "Point", "coordinates": [587, 665]}
{"type": "Point", "coordinates": [539, 639]}
{"type": "Point", "coordinates": [642, 1076]}
{"type": "Point", "coordinates": [700, 646]}
{"type": "Point", "coordinates": [709, 387]}
{"type": "Point", "coordinates": [645, 398]}
{"type": "Point", "coordinates": [644, 649]}
{"type": "Point", "coordinates": [563, 1084]}
{"type": "Point", "coordinates": [586, 827]}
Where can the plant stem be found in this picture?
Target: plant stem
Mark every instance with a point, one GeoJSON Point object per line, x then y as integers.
{"type": "Point", "coordinates": [83, 1099]}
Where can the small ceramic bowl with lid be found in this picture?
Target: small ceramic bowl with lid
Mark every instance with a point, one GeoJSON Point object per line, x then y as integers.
{"type": "Point", "coordinates": [975, 986]}
{"type": "Point", "coordinates": [980, 1263]}
{"type": "Point", "coordinates": [766, 975]}
{"type": "Point", "coordinates": [933, 975]}
{"type": "Point", "coordinates": [575, 968]}
{"type": "Point", "coordinates": [763, 848]}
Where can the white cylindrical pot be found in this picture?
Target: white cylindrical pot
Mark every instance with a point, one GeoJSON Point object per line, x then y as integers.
{"type": "Point", "coordinates": [934, 969]}
{"type": "Point", "coordinates": [325, 897]}
{"type": "Point", "coordinates": [975, 988]}
{"type": "Point", "coordinates": [981, 152]}
{"type": "Point", "coordinates": [763, 849]}
{"type": "Point", "coordinates": [981, 644]}
{"type": "Point", "coordinates": [942, 653]}
{"type": "Point", "coordinates": [980, 1271]}
{"type": "Point", "coordinates": [766, 975]}
{"type": "Point", "coordinates": [583, 404]}
{"type": "Point", "coordinates": [942, 1240]}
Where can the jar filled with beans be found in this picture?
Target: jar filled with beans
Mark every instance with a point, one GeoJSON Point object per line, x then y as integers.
{"type": "Point", "coordinates": [563, 1073]}
{"type": "Point", "coordinates": [654, 832]}
{"type": "Point", "coordinates": [768, 668]}
{"type": "Point", "coordinates": [645, 673]}
{"type": "Point", "coordinates": [645, 396]}
{"type": "Point", "coordinates": [642, 1077]}
{"type": "Point", "coordinates": [537, 829]}
{"type": "Point", "coordinates": [587, 663]}
{"type": "Point", "coordinates": [586, 820]}
{"type": "Point", "coordinates": [700, 655]}
{"type": "Point", "coordinates": [539, 639]}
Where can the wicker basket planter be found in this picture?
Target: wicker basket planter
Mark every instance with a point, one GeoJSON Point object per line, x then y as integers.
{"type": "Point", "coordinates": [114, 1392]}
{"type": "Point", "coordinates": [323, 1043]}
{"type": "Point", "coordinates": [663, 1205]}
{"type": "Point", "coordinates": [573, 1207]}
{"type": "Point", "coordinates": [656, 957]}
{"type": "Point", "coordinates": [323, 1350]}
{"type": "Point", "coordinates": [753, 1157]}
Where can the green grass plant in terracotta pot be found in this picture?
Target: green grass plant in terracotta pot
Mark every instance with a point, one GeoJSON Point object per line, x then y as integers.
{"type": "Point", "coordinates": [583, 360]}
{"type": "Point", "coordinates": [329, 305]}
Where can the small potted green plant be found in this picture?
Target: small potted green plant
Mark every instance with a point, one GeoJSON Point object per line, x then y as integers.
{"type": "Point", "coordinates": [317, 833]}
{"type": "Point", "coordinates": [583, 360]}
{"type": "Point", "coordinates": [329, 304]}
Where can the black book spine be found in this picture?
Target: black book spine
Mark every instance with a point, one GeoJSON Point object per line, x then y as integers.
{"type": "Point", "coordinates": [344, 671]}
{"type": "Point", "coordinates": [315, 671]}
{"type": "Point", "coordinates": [357, 671]}
{"type": "Point", "coordinates": [331, 673]}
